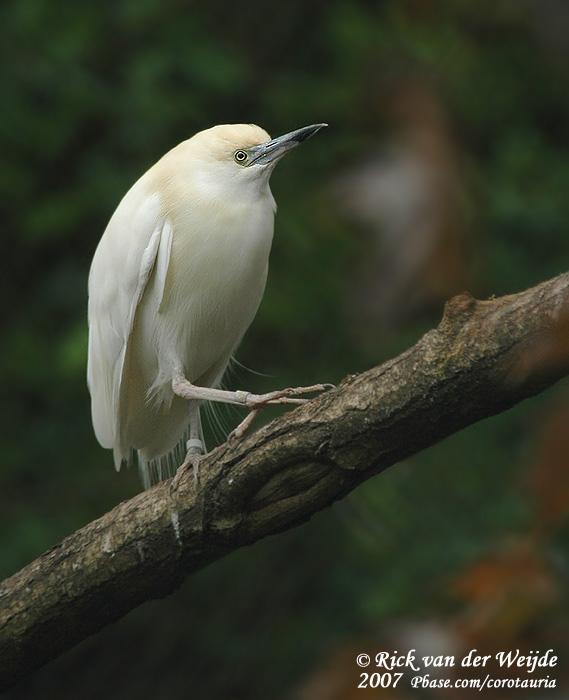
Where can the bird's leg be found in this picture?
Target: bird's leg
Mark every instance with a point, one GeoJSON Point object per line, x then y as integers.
{"type": "Point", "coordinates": [184, 388]}
{"type": "Point", "coordinates": [194, 446]}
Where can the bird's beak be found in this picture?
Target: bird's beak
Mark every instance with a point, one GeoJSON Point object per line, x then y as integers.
{"type": "Point", "coordinates": [273, 150]}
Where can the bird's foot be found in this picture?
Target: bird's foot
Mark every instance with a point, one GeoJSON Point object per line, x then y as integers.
{"type": "Point", "coordinates": [283, 396]}
{"type": "Point", "coordinates": [194, 456]}
{"type": "Point", "coordinates": [274, 398]}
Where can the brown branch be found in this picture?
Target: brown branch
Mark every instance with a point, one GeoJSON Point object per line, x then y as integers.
{"type": "Point", "coordinates": [484, 357]}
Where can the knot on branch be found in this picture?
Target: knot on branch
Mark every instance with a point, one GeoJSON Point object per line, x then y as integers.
{"type": "Point", "coordinates": [458, 310]}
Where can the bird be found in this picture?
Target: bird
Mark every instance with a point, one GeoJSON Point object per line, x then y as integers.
{"type": "Point", "coordinates": [175, 282]}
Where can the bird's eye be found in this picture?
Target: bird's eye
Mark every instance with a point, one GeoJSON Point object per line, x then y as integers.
{"type": "Point", "coordinates": [241, 157]}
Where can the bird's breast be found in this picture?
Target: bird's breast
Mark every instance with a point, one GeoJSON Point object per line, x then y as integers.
{"type": "Point", "coordinates": [215, 282]}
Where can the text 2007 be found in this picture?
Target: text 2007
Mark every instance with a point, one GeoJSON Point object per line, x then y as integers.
{"type": "Point", "coordinates": [379, 680]}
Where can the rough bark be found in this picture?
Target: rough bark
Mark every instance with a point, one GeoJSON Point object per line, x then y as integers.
{"type": "Point", "coordinates": [484, 357]}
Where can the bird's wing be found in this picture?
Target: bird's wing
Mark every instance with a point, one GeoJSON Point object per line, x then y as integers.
{"type": "Point", "coordinates": [135, 245]}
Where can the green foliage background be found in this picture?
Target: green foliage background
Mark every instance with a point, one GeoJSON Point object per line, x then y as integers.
{"type": "Point", "coordinates": [92, 95]}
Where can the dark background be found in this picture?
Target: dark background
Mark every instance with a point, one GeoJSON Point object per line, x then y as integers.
{"type": "Point", "coordinates": [445, 167]}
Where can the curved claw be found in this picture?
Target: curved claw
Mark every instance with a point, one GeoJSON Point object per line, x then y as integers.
{"type": "Point", "coordinates": [192, 460]}
{"type": "Point", "coordinates": [283, 396]}
{"type": "Point", "coordinates": [242, 428]}
{"type": "Point", "coordinates": [258, 401]}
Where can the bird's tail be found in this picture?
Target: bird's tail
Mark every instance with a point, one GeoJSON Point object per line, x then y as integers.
{"type": "Point", "coordinates": [163, 466]}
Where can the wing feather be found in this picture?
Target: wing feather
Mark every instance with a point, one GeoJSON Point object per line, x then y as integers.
{"type": "Point", "coordinates": [135, 244]}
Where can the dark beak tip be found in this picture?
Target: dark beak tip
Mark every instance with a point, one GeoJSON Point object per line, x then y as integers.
{"type": "Point", "coordinates": [308, 131]}
{"type": "Point", "coordinates": [317, 127]}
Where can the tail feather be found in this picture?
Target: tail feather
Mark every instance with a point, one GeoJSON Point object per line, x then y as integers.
{"type": "Point", "coordinates": [152, 471]}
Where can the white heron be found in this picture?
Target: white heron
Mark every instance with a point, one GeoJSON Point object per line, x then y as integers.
{"type": "Point", "coordinates": [175, 282]}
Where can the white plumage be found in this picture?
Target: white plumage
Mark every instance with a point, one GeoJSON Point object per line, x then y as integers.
{"type": "Point", "coordinates": [175, 282]}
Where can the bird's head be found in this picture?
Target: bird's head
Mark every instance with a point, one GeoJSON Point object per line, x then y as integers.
{"type": "Point", "coordinates": [244, 153]}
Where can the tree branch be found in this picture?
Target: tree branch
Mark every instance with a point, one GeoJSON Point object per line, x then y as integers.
{"type": "Point", "coordinates": [484, 357]}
